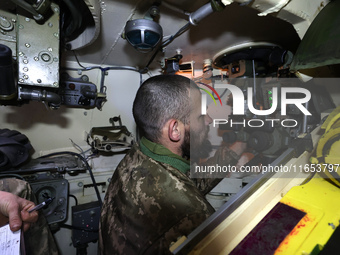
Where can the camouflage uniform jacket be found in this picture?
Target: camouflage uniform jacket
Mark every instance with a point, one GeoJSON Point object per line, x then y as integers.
{"type": "Point", "coordinates": [148, 205]}
{"type": "Point", "coordinates": [38, 238]}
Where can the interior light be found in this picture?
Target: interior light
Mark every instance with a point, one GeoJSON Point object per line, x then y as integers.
{"type": "Point", "coordinates": [143, 34]}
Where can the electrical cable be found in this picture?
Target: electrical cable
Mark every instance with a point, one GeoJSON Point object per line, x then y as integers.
{"type": "Point", "coordinates": [75, 55]}
{"type": "Point", "coordinates": [146, 68]}
{"type": "Point", "coordinates": [166, 42]}
{"type": "Point", "coordinates": [95, 154]}
{"type": "Point", "coordinates": [87, 166]}
{"type": "Point", "coordinates": [178, 33]}
{"type": "Point", "coordinates": [102, 87]}
{"type": "Point", "coordinates": [78, 147]}
{"type": "Point", "coordinates": [174, 8]}
{"type": "Point", "coordinates": [103, 70]}
{"type": "Point", "coordinates": [74, 197]}
{"type": "Point", "coordinates": [12, 175]}
{"type": "Point", "coordinates": [84, 68]}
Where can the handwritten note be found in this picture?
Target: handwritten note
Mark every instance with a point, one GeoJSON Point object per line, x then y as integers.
{"type": "Point", "coordinates": [9, 241]}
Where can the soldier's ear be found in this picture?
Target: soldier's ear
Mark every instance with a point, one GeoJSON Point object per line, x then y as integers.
{"type": "Point", "coordinates": [174, 130]}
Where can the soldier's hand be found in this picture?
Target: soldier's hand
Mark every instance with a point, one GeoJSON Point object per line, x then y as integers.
{"type": "Point", "coordinates": [14, 209]}
{"type": "Point", "coordinates": [238, 147]}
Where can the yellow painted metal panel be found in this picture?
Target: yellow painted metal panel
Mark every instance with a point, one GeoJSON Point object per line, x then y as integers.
{"type": "Point", "coordinates": [320, 200]}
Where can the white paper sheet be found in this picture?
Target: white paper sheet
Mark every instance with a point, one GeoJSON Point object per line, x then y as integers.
{"type": "Point", "coordinates": [9, 241]}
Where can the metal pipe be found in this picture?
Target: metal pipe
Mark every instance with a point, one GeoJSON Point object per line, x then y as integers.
{"type": "Point", "coordinates": [200, 14]}
{"type": "Point", "coordinates": [28, 8]}
{"type": "Point", "coordinates": [40, 95]}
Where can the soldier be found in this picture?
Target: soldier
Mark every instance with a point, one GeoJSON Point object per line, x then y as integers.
{"type": "Point", "coordinates": [16, 199]}
{"type": "Point", "coordinates": [151, 200]}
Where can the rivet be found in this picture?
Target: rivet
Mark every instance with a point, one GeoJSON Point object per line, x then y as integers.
{"type": "Point", "coordinates": [45, 57]}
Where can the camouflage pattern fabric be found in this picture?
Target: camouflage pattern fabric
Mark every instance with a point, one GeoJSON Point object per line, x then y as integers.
{"type": "Point", "coordinates": [148, 205]}
{"type": "Point", "coordinates": [38, 239]}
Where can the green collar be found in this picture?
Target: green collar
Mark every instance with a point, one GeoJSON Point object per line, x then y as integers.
{"type": "Point", "coordinates": [160, 153]}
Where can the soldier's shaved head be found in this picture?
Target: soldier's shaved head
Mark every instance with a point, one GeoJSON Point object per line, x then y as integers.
{"type": "Point", "coordinates": [159, 99]}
